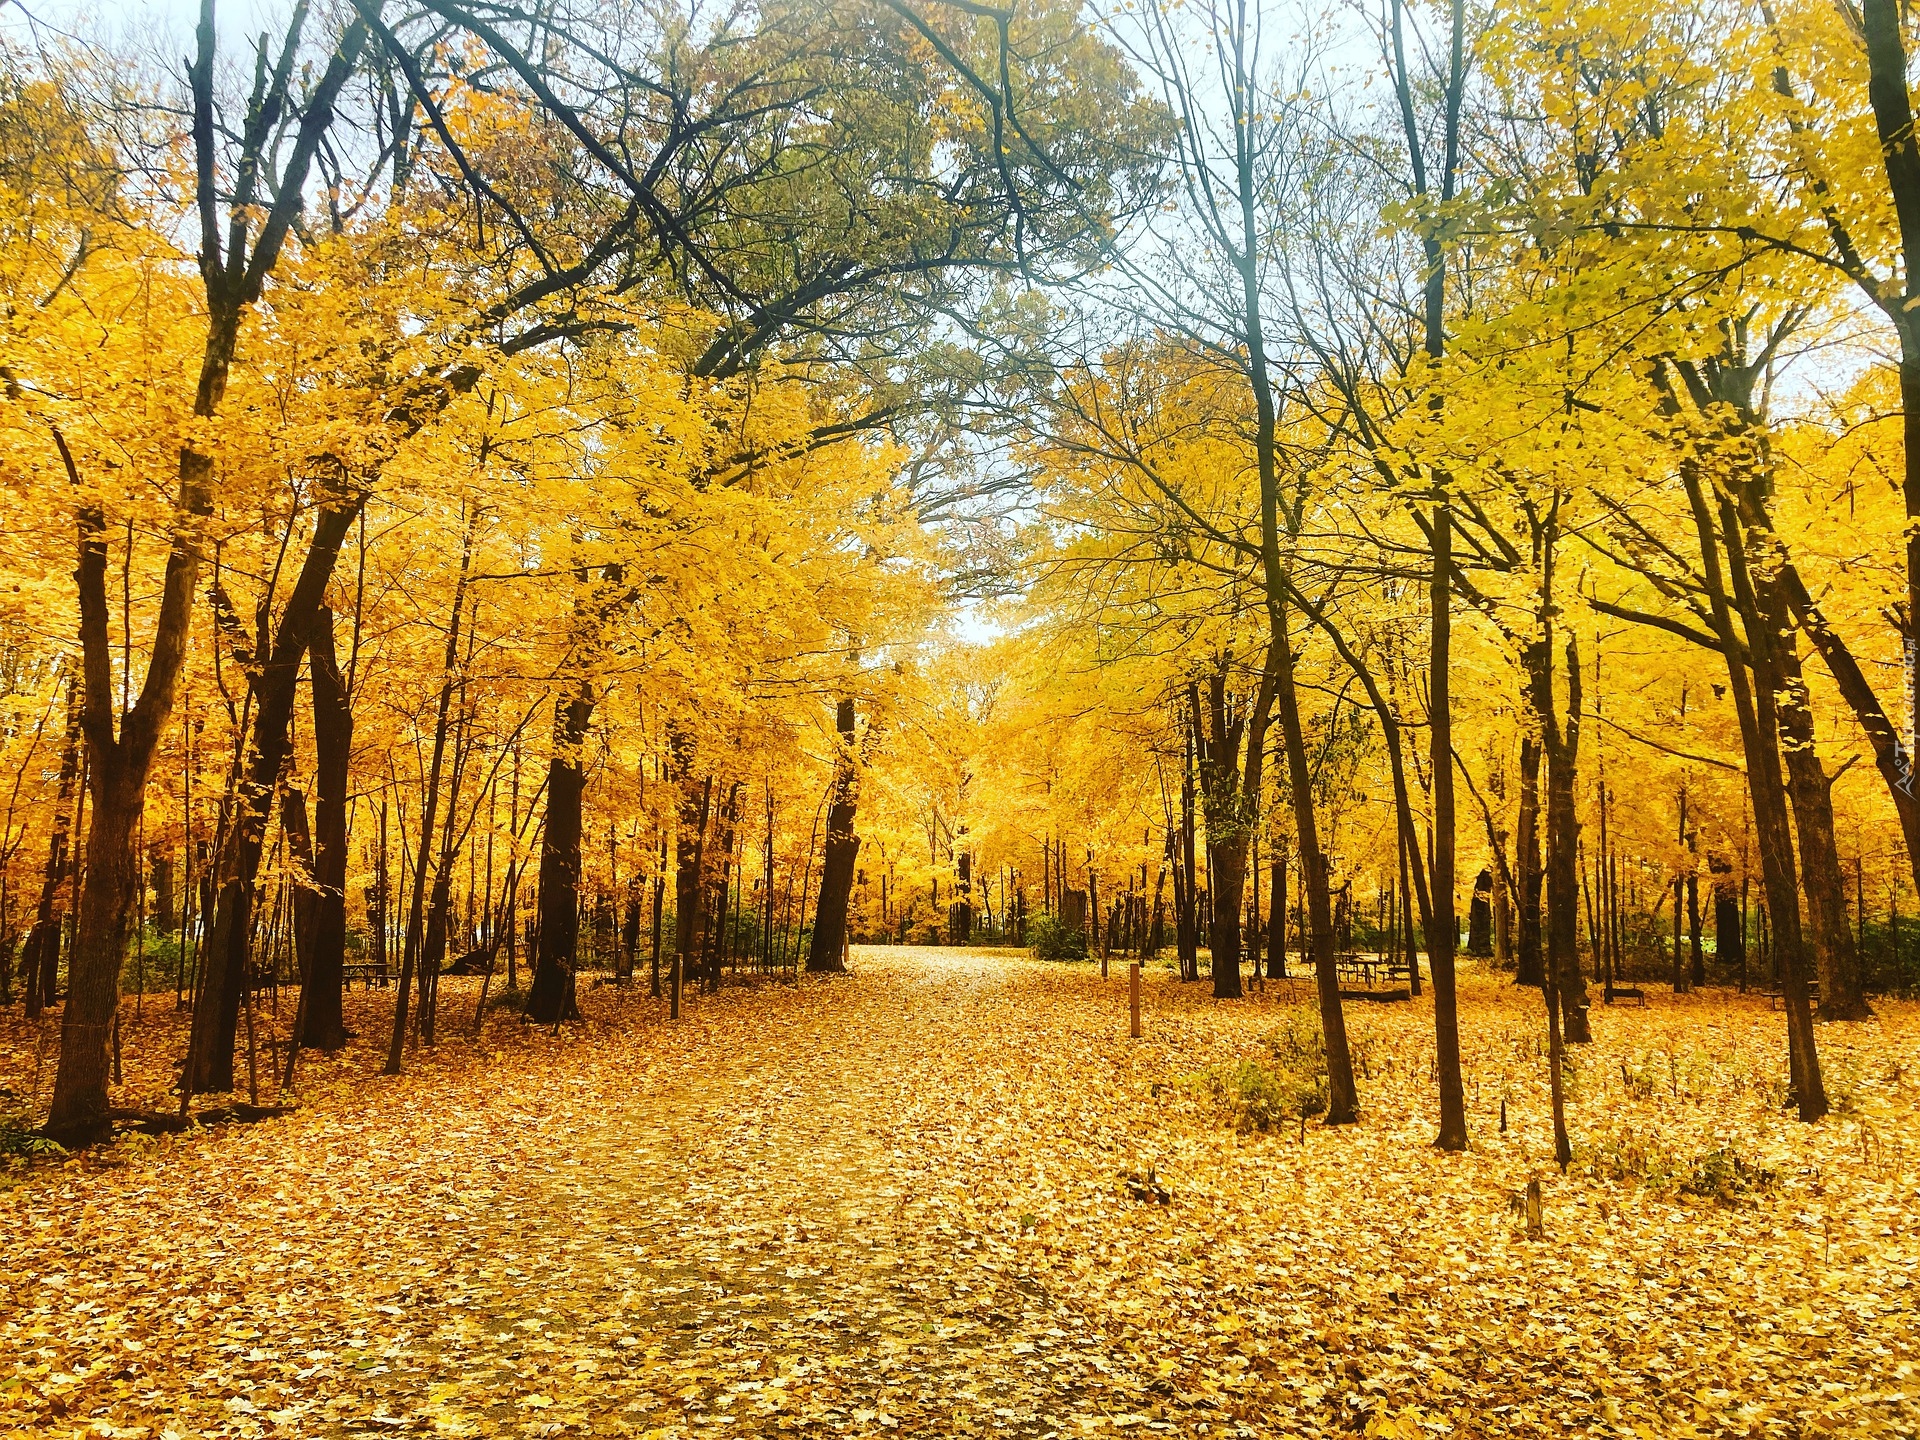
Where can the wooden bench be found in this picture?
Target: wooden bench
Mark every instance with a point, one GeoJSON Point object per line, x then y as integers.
{"type": "Point", "coordinates": [1625, 992]}
{"type": "Point", "coordinates": [366, 971]}
{"type": "Point", "coordinates": [1777, 997]}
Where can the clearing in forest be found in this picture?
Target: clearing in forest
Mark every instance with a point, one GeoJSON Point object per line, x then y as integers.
{"type": "Point", "coordinates": [948, 1195]}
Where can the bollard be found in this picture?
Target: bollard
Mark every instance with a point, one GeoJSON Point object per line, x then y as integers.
{"type": "Point", "coordinates": [1133, 998]}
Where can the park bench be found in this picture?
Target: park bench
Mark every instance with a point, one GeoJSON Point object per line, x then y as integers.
{"type": "Point", "coordinates": [366, 971]}
{"type": "Point", "coordinates": [1777, 995]}
{"type": "Point", "coordinates": [1625, 992]}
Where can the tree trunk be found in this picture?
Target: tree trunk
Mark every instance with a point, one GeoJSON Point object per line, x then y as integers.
{"type": "Point", "coordinates": [1754, 706]}
{"type": "Point", "coordinates": [274, 686]}
{"type": "Point", "coordinates": [1277, 920]}
{"type": "Point", "coordinates": [689, 867]}
{"type": "Point", "coordinates": [1842, 995]}
{"type": "Point", "coordinates": [1528, 969]}
{"type": "Point", "coordinates": [40, 957]}
{"type": "Point", "coordinates": [121, 763]}
{"type": "Point", "coordinates": [1443, 932]}
{"type": "Point", "coordinates": [1343, 1101]}
{"type": "Point", "coordinates": [1563, 843]}
{"type": "Point", "coordinates": [1729, 934]}
{"type": "Point", "coordinates": [843, 847]}
{"type": "Point", "coordinates": [430, 809]}
{"type": "Point", "coordinates": [1186, 902]}
{"type": "Point", "coordinates": [323, 1026]}
{"type": "Point", "coordinates": [306, 895]}
{"type": "Point", "coordinates": [551, 994]}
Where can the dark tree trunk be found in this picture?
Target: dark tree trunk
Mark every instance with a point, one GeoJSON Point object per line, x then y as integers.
{"type": "Point", "coordinates": [551, 996]}
{"type": "Point", "coordinates": [1185, 902]}
{"type": "Point", "coordinates": [1343, 1101]}
{"type": "Point", "coordinates": [274, 686]}
{"type": "Point", "coordinates": [1562, 743]}
{"type": "Point", "coordinates": [1842, 995]}
{"type": "Point", "coordinates": [1443, 932]}
{"type": "Point", "coordinates": [843, 847]}
{"type": "Point", "coordinates": [962, 925]}
{"type": "Point", "coordinates": [1229, 792]}
{"type": "Point", "coordinates": [716, 939]}
{"type": "Point", "coordinates": [1277, 921]}
{"type": "Point", "coordinates": [430, 810]}
{"type": "Point", "coordinates": [1528, 969]}
{"type": "Point", "coordinates": [306, 895]}
{"type": "Point", "coordinates": [1729, 934]}
{"type": "Point", "coordinates": [166, 918]}
{"type": "Point", "coordinates": [323, 1026]}
{"type": "Point", "coordinates": [1698, 956]}
{"type": "Point", "coordinates": [1759, 736]}
{"type": "Point", "coordinates": [689, 908]}
{"type": "Point", "coordinates": [40, 957]}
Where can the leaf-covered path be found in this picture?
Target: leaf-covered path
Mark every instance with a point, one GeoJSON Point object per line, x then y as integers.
{"type": "Point", "coordinates": [896, 1203]}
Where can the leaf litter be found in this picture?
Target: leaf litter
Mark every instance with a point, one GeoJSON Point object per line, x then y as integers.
{"type": "Point", "coordinates": [948, 1195]}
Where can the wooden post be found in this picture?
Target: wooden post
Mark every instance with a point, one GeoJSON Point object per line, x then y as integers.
{"type": "Point", "coordinates": [1133, 998]}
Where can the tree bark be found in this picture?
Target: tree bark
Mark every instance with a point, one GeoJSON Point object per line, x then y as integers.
{"type": "Point", "coordinates": [1563, 843]}
{"type": "Point", "coordinates": [323, 1026]}
{"type": "Point", "coordinates": [1528, 969]}
{"type": "Point", "coordinates": [273, 682]}
{"type": "Point", "coordinates": [40, 957]}
{"type": "Point", "coordinates": [1842, 994]}
{"type": "Point", "coordinates": [1442, 930]}
{"type": "Point", "coordinates": [842, 848]}
{"type": "Point", "coordinates": [551, 994]}
{"type": "Point", "coordinates": [1277, 920]}
{"type": "Point", "coordinates": [1754, 708]}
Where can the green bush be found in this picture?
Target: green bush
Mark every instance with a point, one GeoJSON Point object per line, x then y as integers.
{"type": "Point", "coordinates": [1726, 1176]}
{"type": "Point", "coordinates": [18, 1140]}
{"type": "Point", "coordinates": [1290, 1084]}
{"type": "Point", "coordinates": [1051, 938]}
{"type": "Point", "coordinates": [1263, 1097]}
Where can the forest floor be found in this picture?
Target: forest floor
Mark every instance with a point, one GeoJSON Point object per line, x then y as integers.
{"type": "Point", "coordinates": [899, 1203]}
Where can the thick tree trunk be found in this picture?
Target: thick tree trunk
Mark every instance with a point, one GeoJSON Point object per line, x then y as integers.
{"type": "Point", "coordinates": [323, 1026]}
{"type": "Point", "coordinates": [843, 847]}
{"type": "Point", "coordinates": [274, 686]}
{"type": "Point", "coordinates": [1229, 865]}
{"type": "Point", "coordinates": [551, 995]}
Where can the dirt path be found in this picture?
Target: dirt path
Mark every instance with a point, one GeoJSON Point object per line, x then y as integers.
{"type": "Point", "coordinates": [895, 1204]}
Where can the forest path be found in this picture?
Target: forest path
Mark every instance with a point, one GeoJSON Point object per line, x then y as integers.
{"type": "Point", "coordinates": [896, 1203]}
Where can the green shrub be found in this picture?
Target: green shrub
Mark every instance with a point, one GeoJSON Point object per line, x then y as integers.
{"type": "Point", "coordinates": [1726, 1176]}
{"type": "Point", "coordinates": [1265, 1097]}
{"type": "Point", "coordinates": [1289, 1084]}
{"type": "Point", "coordinates": [1051, 938]}
{"type": "Point", "coordinates": [18, 1140]}
{"type": "Point", "coordinates": [1722, 1174]}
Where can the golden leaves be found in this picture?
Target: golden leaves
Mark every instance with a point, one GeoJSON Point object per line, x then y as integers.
{"type": "Point", "coordinates": [887, 1205]}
